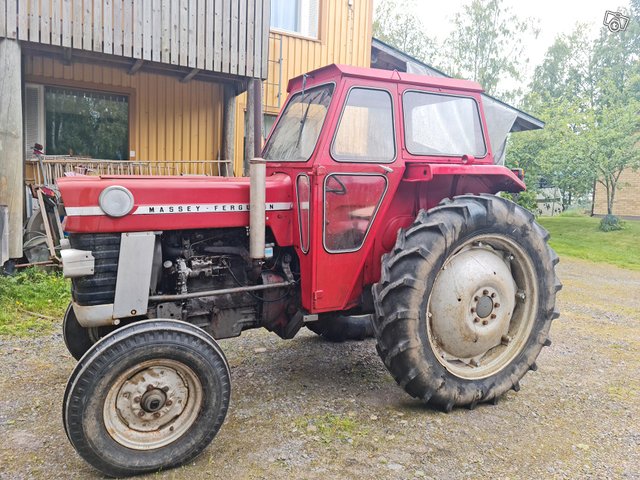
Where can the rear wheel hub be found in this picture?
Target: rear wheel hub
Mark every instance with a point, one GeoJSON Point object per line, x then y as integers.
{"type": "Point", "coordinates": [478, 316]}
{"type": "Point", "coordinates": [468, 313]}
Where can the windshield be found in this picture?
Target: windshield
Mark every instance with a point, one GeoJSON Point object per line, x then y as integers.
{"type": "Point", "coordinates": [296, 133]}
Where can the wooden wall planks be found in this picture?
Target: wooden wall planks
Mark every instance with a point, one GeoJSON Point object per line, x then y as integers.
{"type": "Point", "coordinates": [228, 36]}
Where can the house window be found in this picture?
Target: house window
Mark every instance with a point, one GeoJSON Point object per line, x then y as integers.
{"type": "Point", "coordinates": [77, 122]}
{"type": "Point", "coordinates": [268, 121]}
{"type": "Point", "coordinates": [297, 16]}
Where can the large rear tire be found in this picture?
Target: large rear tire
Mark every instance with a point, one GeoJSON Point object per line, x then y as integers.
{"type": "Point", "coordinates": [342, 328]}
{"type": "Point", "coordinates": [149, 396]}
{"type": "Point", "coordinates": [465, 301]}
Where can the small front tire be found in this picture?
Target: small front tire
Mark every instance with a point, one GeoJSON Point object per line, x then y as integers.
{"type": "Point", "coordinates": [76, 338]}
{"type": "Point", "coordinates": [149, 396]}
{"type": "Point", "coordinates": [79, 339]}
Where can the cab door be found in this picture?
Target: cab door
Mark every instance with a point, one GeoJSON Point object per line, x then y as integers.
{"type": "Point", "coordinates": [354, 178]}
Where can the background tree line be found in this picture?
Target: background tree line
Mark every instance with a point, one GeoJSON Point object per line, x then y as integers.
{"type": "Point", "coordinates": [587, 91]}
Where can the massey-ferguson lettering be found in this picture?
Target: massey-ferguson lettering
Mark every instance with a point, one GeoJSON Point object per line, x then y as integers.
{"type": "Point", "coordinates": [372, 212]}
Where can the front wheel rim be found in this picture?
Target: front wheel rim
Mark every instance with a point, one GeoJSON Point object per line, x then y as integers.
{"type": "Point", "coordinates": [152, 404]}
{"type": "Point", "coordinates": [478, 320]}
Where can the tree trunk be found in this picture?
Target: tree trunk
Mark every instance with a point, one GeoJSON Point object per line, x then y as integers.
{"type": "Point", "coordinates": [611, 198]}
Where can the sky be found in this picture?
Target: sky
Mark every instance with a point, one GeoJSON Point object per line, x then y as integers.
{"type": "Point", "coordinates": [555, 17]}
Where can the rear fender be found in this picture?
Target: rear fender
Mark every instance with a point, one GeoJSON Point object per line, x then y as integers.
{"type": "Point", "coordinates": [451, 180]}
{"type": "Point", "coordinates": [423, 187]}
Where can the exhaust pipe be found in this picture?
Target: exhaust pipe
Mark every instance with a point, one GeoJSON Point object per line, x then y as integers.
{"type": "Point", "coordinates": [257, 213]}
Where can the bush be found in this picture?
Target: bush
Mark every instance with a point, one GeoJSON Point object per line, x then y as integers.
{"type": "Point", "coordinates": [610, 223]}
{"type": "Point", "coordinates": [526, 199]}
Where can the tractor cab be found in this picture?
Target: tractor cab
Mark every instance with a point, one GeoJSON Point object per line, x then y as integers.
{"type": "Point", "coordinates": [366, 150]}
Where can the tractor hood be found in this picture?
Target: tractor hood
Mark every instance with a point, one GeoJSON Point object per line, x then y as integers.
{"type": "Point", "coordinates": [170, 203]}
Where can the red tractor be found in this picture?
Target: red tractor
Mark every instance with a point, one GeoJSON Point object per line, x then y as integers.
{"type": "Point", "coordinates": [373, 210]}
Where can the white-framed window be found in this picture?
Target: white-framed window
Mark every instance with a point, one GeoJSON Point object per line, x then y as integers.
{"type": "Point", "coordinates": [34, 131]}
{"type": "Point", "coordinates": [296, 16]}
{"type": "Point", "coordinates": [71, 121]}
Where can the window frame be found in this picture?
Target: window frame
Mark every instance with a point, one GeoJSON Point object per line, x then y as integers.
{"type": "Point", "coordinates": [441, 94]}
{"type": "Point", "coordinates": [91, 91]}
{"type": "Point", "coordinates": [98, 88]}
{"type": "Point", "coordinates": [324, 123]}
{"type": "Point", "coordinates": [267, 134]}
{"type": "Point", "coordinates": [293, 33]}
{"type": "Point", "coordinates": [346, 159]}
{"type": "Point", "coordinates": [373, 217]}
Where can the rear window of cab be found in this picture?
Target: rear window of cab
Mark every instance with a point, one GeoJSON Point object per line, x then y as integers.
{"type": "Point", "coordinates": [442, 125]}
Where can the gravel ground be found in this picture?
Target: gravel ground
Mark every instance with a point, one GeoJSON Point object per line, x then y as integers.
{"type": "Point", "coordinates": [305, 408]}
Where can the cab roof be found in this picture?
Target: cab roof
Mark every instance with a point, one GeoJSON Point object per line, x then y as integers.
{"type": "Point", "coordinates": [330, 72]}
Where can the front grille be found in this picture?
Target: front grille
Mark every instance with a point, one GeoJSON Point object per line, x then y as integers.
{"type": "Point", "coordinates": [99, 288]}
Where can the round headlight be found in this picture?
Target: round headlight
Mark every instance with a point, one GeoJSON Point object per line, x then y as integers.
{"type": "Point", "coordinates": [116, 201]}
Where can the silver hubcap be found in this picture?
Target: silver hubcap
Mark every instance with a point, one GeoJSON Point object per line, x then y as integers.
{"type": "Point", "coordinates": [478, 320]}
{"type": "Point", "coordinates": [153, 404]}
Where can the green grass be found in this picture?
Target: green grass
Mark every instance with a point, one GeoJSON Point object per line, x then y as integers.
{"type": "Point", "coordinates": [331, 427]}
{"type": "Point", "coordinates": [579, 237]}
{"type": "Point", "coordinates": [32, 302]}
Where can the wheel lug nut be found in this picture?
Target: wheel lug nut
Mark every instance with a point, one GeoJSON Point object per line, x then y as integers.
{"type": "Point", "coordinates": [493, 295]}
{"type": "Point", "coordinates": [156, 415]}
{"type": "Point", "coordinates": [493, 315]}
{"type": "Point", "coordinates": [141, 413]}
{"type": "Point", "coordinates": [485, 322]}
{"type": "Point", "coordinates": [496, 305]}
{"type": "Point", "coordinates": [476, 298]}
{"type": "Point", "coordinates": [476, 320]}
{"type": "Point", "coordinates": [485, 292]}
{"type": "Point", "coordinates": [137, 399]}
{"type": "Point", "coordinates": [168, 403]}
{"type": "Point", "coordinates": [149, 387]}
{"type": "Point", "coordinates": [473, 310]}
{"type": "Point", "coordinates": [165, 389]}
